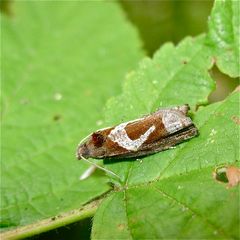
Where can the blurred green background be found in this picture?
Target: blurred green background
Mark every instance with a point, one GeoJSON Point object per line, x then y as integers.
{"type": "Point", "coordinates": [167, 20]}
{"type": "Point", "coordinates": [157, 22]}
{"type": "Point", "coordinates": [164, 21]}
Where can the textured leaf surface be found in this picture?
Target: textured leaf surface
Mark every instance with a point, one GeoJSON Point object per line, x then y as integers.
{"type": "Point", "coordinates": [183, 200]}
{"type": "Point", "coordinates": [173, 194]}
{"type": "Point", "coordinates": [224, 36]}
{"type": "Point", "coordinates": [59, 68]}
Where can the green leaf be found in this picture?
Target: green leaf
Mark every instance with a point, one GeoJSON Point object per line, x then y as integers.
{"type": "Point", "coordinates": [159, 196]}
{"type": "Point", "coordinates": [183, 200]}
{"type": "Point", "coordinates": [224, 36]}
{"type": "Point", "coordinates": [75, 215]}
{"type": "Point", "coordinates": [175, 76]}
{"type": "Point", "coordinates": [61, 61]}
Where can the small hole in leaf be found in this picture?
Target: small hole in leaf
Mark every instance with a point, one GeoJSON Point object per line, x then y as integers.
{"type": "Point", "coordinates": [184, 62]}
{"type": "Point", "coordinates": [228, 174]}
{"type": "Point", "coordinates": [220, 174]}
{"type": "Point", "coordinates": [224, 85]}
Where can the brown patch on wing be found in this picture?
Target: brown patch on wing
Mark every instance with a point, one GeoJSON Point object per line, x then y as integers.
{"type": "Point", "coordinates": [111, 148]}
{"type": "Point", "coordinates": [97, 139]}
{"type": "Point", "coordinates": [136, 129]}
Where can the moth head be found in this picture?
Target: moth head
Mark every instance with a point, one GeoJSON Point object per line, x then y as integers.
{"type": "Point", "coordinates": [92, 147]}
{"type": "Point", "coordinates": [82, 151]}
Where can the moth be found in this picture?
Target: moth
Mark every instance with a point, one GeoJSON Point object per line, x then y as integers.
{"type": "Point", "coordinates": [150, 134]}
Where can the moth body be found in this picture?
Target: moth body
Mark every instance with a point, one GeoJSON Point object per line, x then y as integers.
{"type": "Point", "coordinates": [153, 133]}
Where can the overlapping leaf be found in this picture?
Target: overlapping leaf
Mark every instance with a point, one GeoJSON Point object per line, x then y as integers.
{"type": "Point", "coordinates": [224, 36]}
{"type": "Point", "coordinates": [60, 64]}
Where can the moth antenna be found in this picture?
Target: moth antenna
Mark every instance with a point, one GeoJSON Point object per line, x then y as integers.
{"type": "Point", "coordinates": [84, 139]}
{"type": "Point", "coordinates": [99, 167]}
{"type": "Point", "coordinates": [93, 167]}
{"type": "Point", "coordinates": [80, 143]}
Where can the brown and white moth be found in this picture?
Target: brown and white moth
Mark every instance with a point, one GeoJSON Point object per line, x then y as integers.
{"type": "Point", "coordinates": [153, 133]}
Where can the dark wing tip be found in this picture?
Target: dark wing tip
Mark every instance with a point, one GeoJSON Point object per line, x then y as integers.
{"type": "Point", "coordinates": [82, 152]}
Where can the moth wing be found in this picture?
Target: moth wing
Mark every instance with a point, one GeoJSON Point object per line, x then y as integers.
{"type": "Point", "coordinates": [183, 108]}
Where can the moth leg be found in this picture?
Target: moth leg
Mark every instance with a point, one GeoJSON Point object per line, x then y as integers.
{"type": "Point", "coordinates": [88, 172]}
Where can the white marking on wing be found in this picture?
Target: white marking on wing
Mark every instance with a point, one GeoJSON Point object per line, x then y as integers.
{"type": "Point", "coordinates": [120, 136]}
{"type": "Point", "coordinates": [173, 121]}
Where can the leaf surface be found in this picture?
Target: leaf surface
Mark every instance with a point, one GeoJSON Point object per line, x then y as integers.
{"type": "Point", "coordinates": [172, 194]}
{"type": "Point", "coordinates": [184, 200]}
{"type": "Point", "coordinates": [175, 76]}
{"type": "Point", "coordinates": [61, 62]}
{"type": "Point", "coordinates": [224, 36]}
